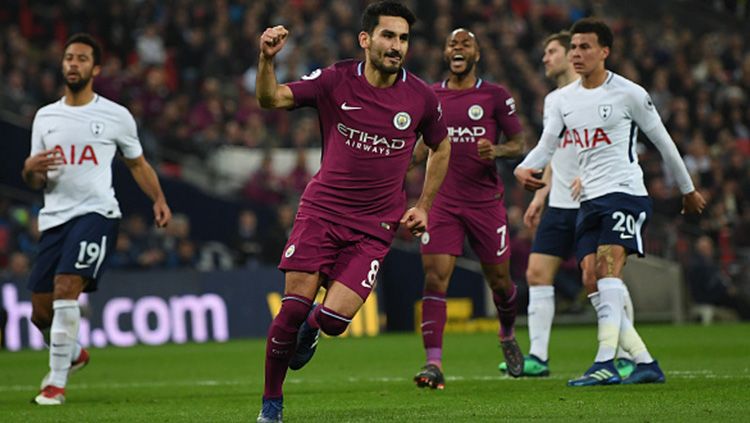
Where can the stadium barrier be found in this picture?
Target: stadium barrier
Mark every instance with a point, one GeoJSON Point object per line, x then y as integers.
{"type": "Point", "coordinates": [158, 307]}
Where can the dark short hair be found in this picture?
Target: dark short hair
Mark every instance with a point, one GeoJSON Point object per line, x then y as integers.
{"type": "Point", "coordinates": [562, 37]}
{"type": "Point", "coordinates": [598, 27]}
{"type": "Point", "coordinates": [373, 12]}
{"type": "Point", "coordinates": [460, 28]}
{"type": "Point", "coordinates": [90, 41]}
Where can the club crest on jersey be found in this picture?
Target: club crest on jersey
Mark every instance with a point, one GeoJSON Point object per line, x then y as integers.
{"type": "Point", "coordinates": [97, 128]}
{"type": "Point", "coordinates": [476, 112]}
{"type": "Point", "coordinates": [605, 111]}
{"type": "Point", "coordinates": [425, 238]}
{"type": "Point", "coordinates": [401, 121]}
{"type": "Point", "coordinates": [289, 251]}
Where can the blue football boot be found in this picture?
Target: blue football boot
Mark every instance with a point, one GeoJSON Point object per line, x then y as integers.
{"type": "Point", "coordinates": [271, 410]}
{"type": "Point", "coordinates": [307, 343]}
{"type": "Point", "coordinates": [646, 373]}
{"type": "Point", "coordinates": [601, 373]}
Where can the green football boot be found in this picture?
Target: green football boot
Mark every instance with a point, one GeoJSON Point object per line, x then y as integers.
{"type": "Point", "coordinates": [624, 367]}
{"type": "Point", "coordinates": [532, 367]}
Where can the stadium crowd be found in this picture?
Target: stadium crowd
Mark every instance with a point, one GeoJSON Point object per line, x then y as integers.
{"type": "Point", "coordinates": [186, 70]}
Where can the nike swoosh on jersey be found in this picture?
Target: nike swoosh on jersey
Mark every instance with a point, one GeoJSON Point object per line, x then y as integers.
{"type": "Point", "coordinates": [623, 236]}
{"type": "Point", "coordinates": [345, 106]}
{"type": "Point", "coordinates": [273, 339]}
{"type": "Point", "coordinates": [81, 266]}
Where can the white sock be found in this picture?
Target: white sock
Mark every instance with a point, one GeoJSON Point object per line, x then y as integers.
{"type": "Point", "coordinates": [541, 311]}
{"type": "Point", "coordinates": [63, 338]}
{"type": "Point", "coordinates": [76, 348]}
{"type": "Point", "coordinates": [609, 315]}
{"type": "Point", "coordinates": [628, 307]}
{"type": "Point", "coordinates": [632, 342]}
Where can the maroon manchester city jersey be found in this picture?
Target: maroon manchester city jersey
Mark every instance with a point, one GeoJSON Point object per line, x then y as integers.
{"type": "Point", "coordinates": [368, 137]}
{"type": "Point", "coordinates": [482, 111]}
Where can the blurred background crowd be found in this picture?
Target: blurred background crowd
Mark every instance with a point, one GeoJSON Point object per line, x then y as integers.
{"type": "Point", "coordinates": [186, 70]}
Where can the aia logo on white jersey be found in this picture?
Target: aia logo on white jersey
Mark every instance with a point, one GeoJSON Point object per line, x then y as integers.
{"type": "Point", "coordinates": [605, 111]}
{"type": "Point", "coordinates": [584, 138]}
{"type": "Point", "coordinates": [97, 128]}
{"type": "Point", "coordinates": [72, 157]}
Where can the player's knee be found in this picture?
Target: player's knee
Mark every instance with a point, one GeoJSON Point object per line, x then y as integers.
{"type": "Point", "coordinates": [606, 269]}
{"type": "Point", "coordinates": [536, 277]}
{"type": "Point", "coordinates": [434, 281]}
{"type": "Point", "coordinates": [68, 287]}
{"type": "Point", "coordinates": [332, 323]}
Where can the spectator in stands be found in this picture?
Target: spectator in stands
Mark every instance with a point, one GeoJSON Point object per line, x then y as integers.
{"type": "Point", "coordinates": [708, 284]}
{"type": "Point", "coordinates": [700, 77]}
{"type": "Point", "coordinates": [296, 180]}
{"type": "Point", "coordinates": [144, 244]}
{"type": "Point", "coordinates": [275, 237]}
{"type": "Point", "coordinates": [247, 244]}
{"type": "Point", "coordinates": [124, 256]}
{"type": "Point", "coordinates": [17, 269]}
{"type": "Point", "coordinates": [264, 187]}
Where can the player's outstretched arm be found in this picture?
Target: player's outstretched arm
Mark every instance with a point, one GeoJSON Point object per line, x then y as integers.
{"type": "Point", "coordinates": [415, 218]}
{"type": "Point", "coordinates": [269, 93]}
{"type": "Point", "coordinates": [146, 178]}
{"type": "Point", "coordinates": [528, 173]}
{"type": "Point", "coordinates": [37, 165]}
{"type": "Point", "coordinates": [692, 200]}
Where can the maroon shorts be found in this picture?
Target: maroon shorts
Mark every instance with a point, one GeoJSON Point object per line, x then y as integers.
{"type": "Point", "coordinates": [485, 227]}
{"type": "Point", "coordinates": [338, 252]}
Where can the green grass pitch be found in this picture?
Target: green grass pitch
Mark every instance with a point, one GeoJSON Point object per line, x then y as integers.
{"type": "Point", "coordinates": [369, 380]}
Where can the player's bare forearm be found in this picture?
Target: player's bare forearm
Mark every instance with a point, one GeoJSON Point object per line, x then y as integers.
{"type": "Point", "coordinates": [437, 167]}
{"type": "Point", "coordinates": [266, 86]}
{"type": "Point", "coordinates": [269, 93]}
{"type": "Point", "coordinates": [419, 155]}
{"type": "Point", "coordinates": [145, 176]}
{"type": "Point", "coordinates": [513, 147]}
{"type": "Point", "coordinates": [541, 193]}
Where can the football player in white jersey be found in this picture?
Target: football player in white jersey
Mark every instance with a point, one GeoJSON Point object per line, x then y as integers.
{"type": "Point", "coordinates": [73, 142]}
{"type": "Point", "coordinates": [555, 230]}
{"type": "Point", "coordinates": [600, 115]}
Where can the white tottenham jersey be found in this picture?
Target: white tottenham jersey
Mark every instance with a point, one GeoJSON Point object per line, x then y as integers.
{"type": "Point", "coordinates": [602, 123]}
{"type": "Point", "coordinates": [564, 166]}
{"type": "Point", "coordinates": [87, 137]}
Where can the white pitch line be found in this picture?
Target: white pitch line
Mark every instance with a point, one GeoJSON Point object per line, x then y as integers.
{"type": "Point", "coordinates": [674, 374]}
